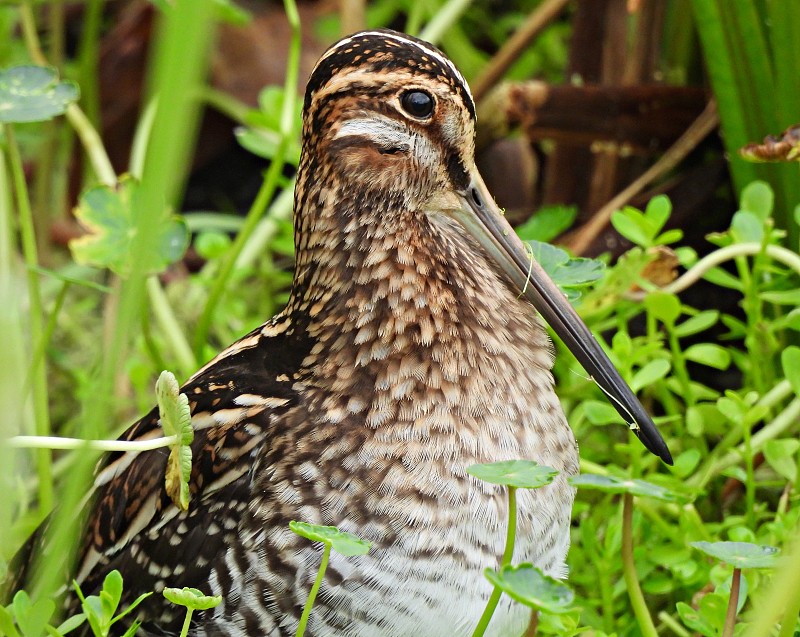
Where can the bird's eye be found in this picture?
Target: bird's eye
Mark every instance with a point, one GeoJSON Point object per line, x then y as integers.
{"type": "Point", "coordinates": [418, 104]}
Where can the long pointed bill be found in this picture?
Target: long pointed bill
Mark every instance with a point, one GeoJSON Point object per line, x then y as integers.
{"type": "Point", "coordinates": [482, 218]}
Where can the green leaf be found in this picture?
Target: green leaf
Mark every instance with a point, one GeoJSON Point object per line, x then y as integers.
{"type": "Point", "coordinates": [529, 586]}
{"type": "Point", "coordinates": [547, 223]}
{"type": "Point", "coordinates": [601, 413]}
{"type": "Point", "coordinates": [133, 605]}
{"type": "Point", "coordinates": [724, 279]}
{"type": "Point", "coordinates": [132, 629]}
{"type": "Point", "coordinates": [747, 227]}
{"type": "Point", "coordinates": [567, 272]}
{"type": "Point", "coordinates": [658, 211]}
{"type": "Point", "coordinates": [694, 620]}
{"type": "Point", "coordinates": [523, 474]}
{"type": "Point", "coordinates": [781, 456]}
{"type": "Point", "coordinates": [611, 484]}
{"type": "Point", "coordinates": [107, 215]}
{"type": "Point", "coordinates": [670, 236]}
{"type": "Point", "coordinates": [340, 541]}
{"type": "Point", "coordinates": [697, 323]}
{"type": "Point", "coordinates": [7, 626]}
{"type": "Point", "coordinates": [33, 94]}
{"type": "Point", "coordinates": [111, 593]}
{"type": "Point", "coordinates": [790, 360]}
{"type": "Point", "coordinates": [663, 306]}
{"type": "Point", "coordinates": [71, 623]}
{"type": "Point", "coordinates": [192, 598]}
{"type": "Point", "coordinates": [231, 13]}
{"type": "Point", "coordinates": [686, 462]}
{"type": "Point", "coordinates": [781, 297]}
{"type": "Point", "coordinates": [31, 616]}
{"type": "Point", "coordinates": [709, 354]}
{"type": "Point", "coordinates": [211, 244]}
{"type": "Point", "coordinates": [740, 554]}
{"type": "Point", "coordinates": [176, 420]}
{"type": "Point", "coordinates": [633, 225]}
{"type": "Point", "coordinates": [757, 198]}
{"type": "Point", "coordinates": [653, 371]}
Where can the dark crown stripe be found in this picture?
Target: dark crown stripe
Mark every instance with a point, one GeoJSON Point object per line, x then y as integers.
{"type": "Point", "coordinates": [382, 50]}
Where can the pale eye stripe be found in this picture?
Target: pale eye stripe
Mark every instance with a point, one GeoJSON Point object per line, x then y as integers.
{"type": "Point", "coordinates": [383, 132]}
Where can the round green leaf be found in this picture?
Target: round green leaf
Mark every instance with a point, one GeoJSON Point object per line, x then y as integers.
{"type": "Point", "coordinates": [653, 371]}
{"type": "Point", "coordinates": [611, 484]}
{"type": "Point", "coordinates": [709, 354]}
{"type": "Point", "coordinates": [529, 586]}
{"type": "Point", "coordinates": [524, 474]}
{"type": "Point", "coordinates": [740, 554]}
{"type": "Point", "coordinates": [340, 541]}
{"type": "Point", "coordinates": [665, 307]}
{"type": "Point", "coordinates": [192, 598]}
{"type": "Point", "coordinates": [33, 94]}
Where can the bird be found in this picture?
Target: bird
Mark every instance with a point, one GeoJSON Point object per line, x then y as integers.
{"type": "Point", "coordinates": [411, 347]}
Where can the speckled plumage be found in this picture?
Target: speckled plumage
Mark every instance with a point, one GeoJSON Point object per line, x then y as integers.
{"type": "Point", "coordinates": [403, 356]}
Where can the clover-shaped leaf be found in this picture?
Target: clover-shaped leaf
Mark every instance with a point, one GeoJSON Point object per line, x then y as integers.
{"type": "Point", "coordinates": [740, 554]}
{"type": "Point", "coordinates": [529, 586]}
{"type": "Point", "coordinates": [611, 484]}
{"type": "Point", "coordinates": [33, 94]}
{"type": "Point", "coordinates": [568, 273]}
{"type": "Point", "coordinates": [524, 474]}
{"type": "Point", "coordinates": [176, 420]}
{"type": "Point", "coordinates": [30, 616]}
{"type": "Point", "coordinates": [192, 598]}
{"type": "Point", "coordinates": [340, 541]}
{"type": "Point", "coordinates": [108, 216]}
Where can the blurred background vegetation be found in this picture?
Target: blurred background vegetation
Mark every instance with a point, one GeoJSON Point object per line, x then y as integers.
{"type": "Point", "coordinates": [150, 226]}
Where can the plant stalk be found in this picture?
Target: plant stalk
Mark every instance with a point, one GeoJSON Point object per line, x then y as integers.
{"type": "Point", "coordinates": [640, 610]}
{"type": "Point", "coordinates": [733, 603]}
{"type": "Point", "coordinates": [312, 595]}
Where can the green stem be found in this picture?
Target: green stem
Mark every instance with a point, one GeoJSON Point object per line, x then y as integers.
{"type": "Point", "coordinates": [169, 325]}
{"type": "Point", "coordinates": [312, 595]}
{"type": "Point", "coordinates": [90, 139]}
{"type": "Point", "coordinates": [783, 421]}
{"type": "Point", "coordinates": [511, 532]}
{"type": "Point", "coordinates": [733, 602]}
{"type": "Point", "coordinates": [675, 626]}
{"type": "Point", "coordinates": [57, 442]}
{"type": "Point", "coordinates": [186, 622]}
{"type": "Point", "coordinates": [508, 552]}
{"type": "Point", "coordinates": [445, 18]}
{"type": "Point", "coordinates": [88, 53]}
{"type": "Point", "coordinates": [486, 617]}
{"type": "Point", "coordinates": [720, 256]}
{"type": "Point", "coordinates": [37, 372]}
{"type": "Point", "coordinates": [640, 610]}
{"type": "Point", "coordinates": [37, 359]}
{"type": "Point", "coordinates": [268, 187]}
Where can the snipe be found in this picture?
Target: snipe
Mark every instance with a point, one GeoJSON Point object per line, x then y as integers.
{"type": "Point", "coordinates": [409, 350]}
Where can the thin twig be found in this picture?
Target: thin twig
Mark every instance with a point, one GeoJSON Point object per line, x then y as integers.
{"type": "Point", "coordinates": [700, 128]}
{"type": "Point", "coordinates": [513, 48]}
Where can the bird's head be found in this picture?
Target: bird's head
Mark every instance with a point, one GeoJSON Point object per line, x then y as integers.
{"type": "Point", "coordinates": [388, 127]}
{"type": "Point", "coordinates": [392, 116]}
